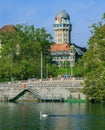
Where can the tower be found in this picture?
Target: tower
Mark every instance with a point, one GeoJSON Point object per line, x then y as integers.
{"type": "Point", "coordinates": [62, 28]}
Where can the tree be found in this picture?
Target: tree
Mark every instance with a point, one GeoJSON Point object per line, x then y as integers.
{"type": "Point", "coordinates": [93, 64]}
{"type": "Point", "coordinates": [21, 52]}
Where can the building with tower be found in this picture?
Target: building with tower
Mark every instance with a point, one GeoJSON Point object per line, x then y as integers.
{"type": "Point", "coordinates": [62, 51]}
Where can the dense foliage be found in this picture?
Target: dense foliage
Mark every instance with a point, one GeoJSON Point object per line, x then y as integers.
{"type": "Point", "coordinates": [20, 54]}
{"type": "Point", "coordinates": [93, 64]}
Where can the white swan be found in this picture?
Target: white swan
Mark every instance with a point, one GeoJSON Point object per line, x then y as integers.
{"type": "Point", "coordinates": [43, 115]}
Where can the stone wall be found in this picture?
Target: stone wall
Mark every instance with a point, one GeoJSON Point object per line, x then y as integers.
{"type": "Point", "coordinates": [48, 89]}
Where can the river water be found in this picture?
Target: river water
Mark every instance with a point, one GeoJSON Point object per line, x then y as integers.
{"type": "Point", "coordinates": [62, 116]}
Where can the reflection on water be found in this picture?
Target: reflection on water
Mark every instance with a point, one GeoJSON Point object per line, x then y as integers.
{"type": "Point", "coordinates": [62, 116]}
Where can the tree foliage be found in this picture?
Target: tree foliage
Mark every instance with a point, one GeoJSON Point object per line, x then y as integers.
{"type": "Point", "coordinates": [93, 64]}
{"type": "Point", "coordinates": [20, 55]}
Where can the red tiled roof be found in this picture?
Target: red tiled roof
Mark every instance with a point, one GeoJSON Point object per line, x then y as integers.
{"type": "Point", "coordinates": [7, 28]}
{"type": "Point", "coordinates": [60, 47]}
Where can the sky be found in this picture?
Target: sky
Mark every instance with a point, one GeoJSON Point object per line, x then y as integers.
{"type": "Point", "coordinates": [41, 13]}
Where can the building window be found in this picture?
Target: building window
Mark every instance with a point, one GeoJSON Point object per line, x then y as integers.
{"type": "Point", "coordinates": [67, 57]}
{"type": "Point", "coordinates": [59, 40]}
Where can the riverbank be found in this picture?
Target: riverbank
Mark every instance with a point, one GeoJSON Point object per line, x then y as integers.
{"type": "Point", "coordinates": [66, 101]}
{"type": "Point", "coordinates": [56, 89]}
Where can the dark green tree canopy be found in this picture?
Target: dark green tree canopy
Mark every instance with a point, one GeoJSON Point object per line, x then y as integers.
{"type": "Point", "coordinates": [93, 64]}
{"type": "Point", "coordinates": [21, 52]}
